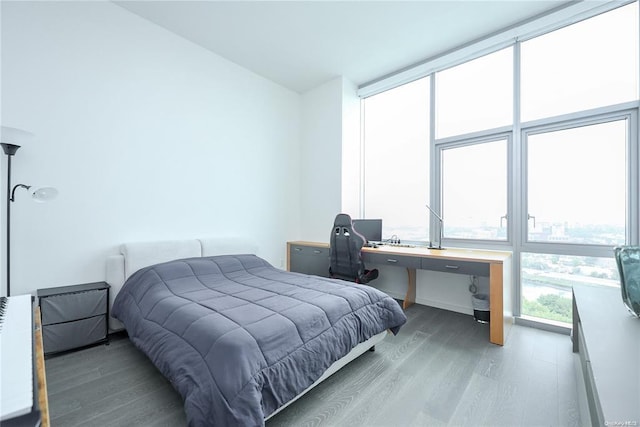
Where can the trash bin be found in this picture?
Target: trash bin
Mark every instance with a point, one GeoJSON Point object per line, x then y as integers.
{"type": "Point", "coordinates": [480, 303]}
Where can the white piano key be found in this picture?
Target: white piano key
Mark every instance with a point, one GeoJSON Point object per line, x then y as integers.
{"type": "Point", "coordinates": [16, 358]}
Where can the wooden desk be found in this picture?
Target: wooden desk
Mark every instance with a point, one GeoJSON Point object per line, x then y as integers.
{"type": "Point", "coordinates": [312, 257]}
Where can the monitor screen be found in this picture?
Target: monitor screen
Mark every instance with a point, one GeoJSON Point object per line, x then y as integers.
{"type": "Point", "coordinates": [371, 229]}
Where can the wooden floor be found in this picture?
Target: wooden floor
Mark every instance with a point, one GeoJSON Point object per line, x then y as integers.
{"type": "Point", "coordinates": [439, 371]}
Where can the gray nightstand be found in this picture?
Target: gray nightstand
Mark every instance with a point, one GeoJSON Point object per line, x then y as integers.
{"type": "Point", "coordinates": [74, 316]}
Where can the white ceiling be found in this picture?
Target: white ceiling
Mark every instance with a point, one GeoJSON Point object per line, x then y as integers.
{"type": "Point", "coordinates": [302, 44]}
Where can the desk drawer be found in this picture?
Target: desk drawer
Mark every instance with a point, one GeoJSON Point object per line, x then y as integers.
{"type": "Point", "coordinates": [391, 259]}
{"type": "Point", "coordinates": [459, 267]}
{"type": "Point", "coordinates": [309, 250]}
{"type": "Point", "coordinates": [309, 260]}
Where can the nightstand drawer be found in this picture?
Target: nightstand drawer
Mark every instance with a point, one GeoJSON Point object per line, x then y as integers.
{"type": "Point", "coordinates": [73, 306]}
{"type": "Point", "coordinates": [66, 336]}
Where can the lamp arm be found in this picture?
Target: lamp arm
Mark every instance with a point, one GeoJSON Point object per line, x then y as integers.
{"type": "Point", "coordinates": [13, 192]}
{"type": "Point", "coordinates": [441, 226]}
{"type": "Point", "coordinates": [433, 212]}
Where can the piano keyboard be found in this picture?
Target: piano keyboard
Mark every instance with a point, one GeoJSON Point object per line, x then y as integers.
{"type": "Point", "coordinates": [16, 357]}
{"type": "Point", "coordinates": [3, 306]}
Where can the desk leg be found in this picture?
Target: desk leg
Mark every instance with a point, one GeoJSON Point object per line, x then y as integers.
{"type": "Point", "coordinates": [496, 301]}
{"type": "Point", "coordinates": [410, 298]}
{"type": "Point", "coordinates": [43, 399]}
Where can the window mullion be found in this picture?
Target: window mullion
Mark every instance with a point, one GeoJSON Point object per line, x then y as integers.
{"type": "Point", "coordinates": [633, 179]}
{"type": "Point", "coordinates": [436, 185]}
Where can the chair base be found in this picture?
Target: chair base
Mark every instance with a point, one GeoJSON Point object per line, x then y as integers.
{"type": "Point", "coordinates": [368, 276]}
{"type": "Point", "coordinates": [363, 279]}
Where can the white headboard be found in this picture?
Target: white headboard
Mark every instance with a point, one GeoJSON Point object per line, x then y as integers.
{"type": "Point", "coordinates": [136, 255]}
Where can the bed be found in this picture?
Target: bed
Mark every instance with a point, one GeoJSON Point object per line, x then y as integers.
{"type": "Point", "coordinates": [238, 338]}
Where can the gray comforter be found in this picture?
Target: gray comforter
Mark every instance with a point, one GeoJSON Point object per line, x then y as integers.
{"type": "Point", "coordinates": [239, 338]}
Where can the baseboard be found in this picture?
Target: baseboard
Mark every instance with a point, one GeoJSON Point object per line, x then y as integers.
{"type": "Point", "coordinates": [432, 303]}
{"type": "Point", "coordinates": [546, 325]}
{"type": "Point", "coordinates": [393, 295]}
{"type": "Point", "coordinates": [445, 306]}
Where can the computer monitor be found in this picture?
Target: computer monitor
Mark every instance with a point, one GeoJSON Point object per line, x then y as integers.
{"type": "Point", "coordinates": [371, 229]}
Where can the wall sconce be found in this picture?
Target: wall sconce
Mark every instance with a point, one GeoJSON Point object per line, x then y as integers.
{"type": "Point", "coordinates": [42, 194]}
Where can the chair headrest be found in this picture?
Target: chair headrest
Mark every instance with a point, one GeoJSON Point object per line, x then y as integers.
{"type": "Point", "coordinates": [342, 220]}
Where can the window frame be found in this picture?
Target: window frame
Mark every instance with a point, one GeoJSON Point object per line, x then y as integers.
{"type": "Point", "coordinates": [477, 138]}
{"type": "Point", "coordinates": [576, 120]}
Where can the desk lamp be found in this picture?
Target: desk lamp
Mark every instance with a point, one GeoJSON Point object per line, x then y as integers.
{"type": "Point", "coordinates": [441, 226]}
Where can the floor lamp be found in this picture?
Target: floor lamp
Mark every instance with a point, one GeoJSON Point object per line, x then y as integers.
{"type": "Point", "coordinates": [38, 194]}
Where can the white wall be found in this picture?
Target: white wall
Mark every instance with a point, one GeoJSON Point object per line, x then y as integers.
{"type": "Point", "coordinates": [330, 157]}
{"type": "Point", "coordinates": [351, 166]}
{"type": "Point", "coordinates": [321, 160]}
{"type": "Point", "coordinates": [146, 136]}
{"type": "Point", "coordinates": [443, 290]}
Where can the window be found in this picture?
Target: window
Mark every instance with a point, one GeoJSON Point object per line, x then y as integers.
{"type": "Point", "coordinates": [576, 196]}
{"type": "Point", "coordinates": [476, 95]}
{"type": "Point", "coordinates": [577, 185]}
{"type": "Point", "coordinates": [396, 159]}
{"type": "Point", "coordinates": [474, 190]}
{"type": "Point", "coordinates": [545, 165]}
{"type": "Point", "coordinates": [590, 64]}
{"type": "Point", "coordinates": [547, 280]}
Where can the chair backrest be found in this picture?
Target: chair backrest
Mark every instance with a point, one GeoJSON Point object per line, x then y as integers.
{"type": "Point", "coordinates": [345, 255]}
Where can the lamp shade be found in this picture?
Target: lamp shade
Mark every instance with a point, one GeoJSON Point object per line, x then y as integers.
{"type": "Point", "coordinates": [43, 194]}
{"type": "Point", "coordinates": [10, 135]}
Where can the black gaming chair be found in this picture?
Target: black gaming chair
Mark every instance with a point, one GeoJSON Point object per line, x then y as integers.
{"type": "Point", "coordinates": [346, 259]}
